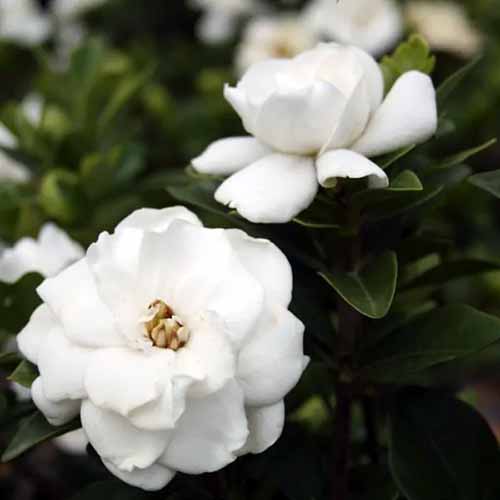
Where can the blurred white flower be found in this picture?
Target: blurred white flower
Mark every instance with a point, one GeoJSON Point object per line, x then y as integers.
{"type": "Point", "coordinates": [273, 37]}
{"type": "Point", "coordinates": [314, 118]}
{"type": "Point", "coordinates": [173, 342]}
{"type": "Point", "coordinates": [69, 10]}
{"type": "Point", "coordinates": [220, 18]}
{"type": "Point", "coordinates": [23, 22]}
{"type": "Point", "coordinates": [52, 251]}
{"type": "Point", "coordinates": [373, 25]}
{"type": "Point", "coordinates": [445, 25]}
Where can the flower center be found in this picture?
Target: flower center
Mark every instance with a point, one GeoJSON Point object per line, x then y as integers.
{"type": "Point", "coordinates": [164, 328]}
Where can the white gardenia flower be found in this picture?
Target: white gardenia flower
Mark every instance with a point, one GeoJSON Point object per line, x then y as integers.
{"type": "Point", "coordinates": [52, 251]}
{"type": "Point", "coordinates": [445, 26]}
{"type": "Point", "coordinates": [220, 18]}
{"type": "Point", "coordinates": [23, 22]}
{"type": "Point", "coordinates": [273, 37]}
{"type": "Point", "coordinates": [373, 25]}
{"type": "Point", "coordinates": [174, 344]}
{"type": "Point", "coordinates": [314, 118]}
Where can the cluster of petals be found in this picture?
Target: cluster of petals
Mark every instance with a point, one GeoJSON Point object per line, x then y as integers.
{"type": "Point", "coordinates": [314, 118]}
{"type": "Point", "coordinates": [150, 411]}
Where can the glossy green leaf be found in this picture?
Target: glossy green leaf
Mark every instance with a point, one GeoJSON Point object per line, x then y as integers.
{"type": "Point", "coordinates": [463, 156]}
{"type": "Point", "coordinates": [442, 449]}
{"type": "Point", "coordinates": [24, 374]}
{"type": "Point", "coordinates": [445, 335]}
{"type": "Point", "coordinates": [406, 181]}
{"type": "Point", "coordinates": [413, 54]}
{"type": "Point", "coordinates": [371, 290]}
{"type": "Point", "coordinates": [488, 181]}
{"type": "Point", "coordinates": [452, 82]}
{"type": "Point", "coordinates": [33, 430]}
{"type": "Point", "coordinates": [9, 358]}
{"type": "Point", "coordinates": [451, 270]}
{"type": "Point", "coordinates": [387, 160]}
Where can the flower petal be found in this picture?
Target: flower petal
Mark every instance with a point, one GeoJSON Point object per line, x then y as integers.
{"type": "Point", "coordinates": [152, 478]}
{"type": "Point", "coordinates": [56, 413]}
{"type": "Point", "coordinates": [272, 190]}
{"type": "Point", "coordinates": [62, 366]}
{"type": "Point", "coordinates": [266, 425]}
{"type": "Point", "coordinates": [265, 262]}
{"type": "Point", "coordinates": [300, 121]}
{"type": "Point", "coordinates": [345, 163]}
{"type": "Point", "coordinates": [73, 298]}
{"type": "Point", "coordinates": [196, 271]}
{"type": "Point", "coordinates": [209, 433]}
{"type": "Point", "coordinates": [272, 362]}
{"type": "Point", "coordinates": [407, 116]}
{"type": "Point", "coordinates": [117, 441]}
{"type": "Point", "coordinates": [155, 393]}
{"type": "Point", "coordinates": [227, 156]}
{"type": "Point", "coordinates": [157, 220]}
{"type": "Point", "coordinates": [33, 335]}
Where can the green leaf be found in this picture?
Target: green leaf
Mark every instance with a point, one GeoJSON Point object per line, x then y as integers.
{"type": "Point", "coordinates": [451, 83]}
{"type": "Point", "coordinates": [9, 358]}
{"type": "Point", "coordinates": [445, 335]}
{"type": "Point", "coordinates": [25, 374]}
{"type": "Point", "coordinates": [387, 160]}
{"type": "Point", "coordinates": [370, 291]}
{"type": "Point", "coordinates": [440, 448]}
{"type": "Point", "coordinates": [413, 54]}
{"type": "Point", "coordinates": [61, 197]}
{"type": "Point", "coordinates": [465, 155]}
{"type": "Point", "coordinates": [111, 490]}
{"type": "Point", "coordinates": [18, 301]}
{"type": "Point", "coordinates": [451, 270]}
{"type": "Point", "coordinates": [488, 181]}
{"type": "Point", "coordinates": [406, 181]}
{"type": "Point", "coordinates": [321, 214]}
{"type": "Point", "coordinates": [33, 430]}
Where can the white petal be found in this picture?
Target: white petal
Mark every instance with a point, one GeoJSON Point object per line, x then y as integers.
{"type": "Point", "coordinates": [196, 271]}
{"type": "Point", "coordinates": [407, 116]}
{"type": "Point", "coordinates": [373, 77]}
{"type": "Point", "coordinates": [267, 263]}
{"type": "Point", "coordinates": [62, 366]}
{"type": "Point", "coordinates": [272, 362]}
{"type": "Point", "coordinates": [227, 156]}
{"type": "Point", "coordinates": [272, 190]}
{"type": "Point", "coordinates": [157, 220]}
{"type": "Point", "coordinates": [117, 441]}
{"type": "Point", "coordinates": [266, 425]}
{"type": "Point", "coordinates": [155, 394]}
{"type": "Point", "coordinates": [73, 443]}
{"type": "Point", "coordinates": [300, 121]}
{"type": "Point", "coordinates": [152, 478]}
{"type": "Point", "coordinates": [72, 296]}
{"type": "Point", "coordinates": [208, 357]}
{"type": "Point", "coordinates": [345, 163]}
{"type": "Point", "coordinates": [57, 413]}
{"type": "Point", "coordinates": [209, 433]}
{"type": "Point", "coordinates": [34, 334]}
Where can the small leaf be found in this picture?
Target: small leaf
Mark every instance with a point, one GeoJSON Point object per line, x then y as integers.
{"type": "Point", "coordinates": [451, 270]}
{"type": "Point", "coordinates": [320, 215]}
{"type": "Point", "coordinates": [445, 335]}
{"type": "Point", "coordinates": [387, 160]}
{"type": "Point", "coordinates": [33, 430]}
{"type": "Point", "coordinates": [413, 54]}
{"type": "Point", "coordinates": [406, 181]}
{"type": "Point", "coordinates": [465, 155]}
{"type": "Point", "coordinates": [449, 85]}
{"type": "Point", "coordinates": [370, 291]}
{"type": "Point", "coordinates": [488, 181]}
{"type": "Point", "coordinates": [441, 448]}
{"type": "Point", "coordinates": [24, 374]}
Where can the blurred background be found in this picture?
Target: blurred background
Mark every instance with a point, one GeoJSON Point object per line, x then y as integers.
{"type": "Point", "coordinates": [103, 103]}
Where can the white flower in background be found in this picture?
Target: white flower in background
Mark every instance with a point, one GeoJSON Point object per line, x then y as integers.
{"type": "Point", "coordinates": [445, 26]}
{"type": "Point", "coordinates": [23, 22]}
{"type": "Point", "coordinates": [373, 25]}
{"type": "Point", "coordinates": [173, 342]}
{"type": "Point", "coordinates": [52, 251]}
{"type": "Point", "coordinates": [313, 119]}
{"type": "Point", "coordinates": [273, 37]}
{"type": "Point", "coordinates": [68, 10]}
{"type": "Point", "coordinates": [220, 18]}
